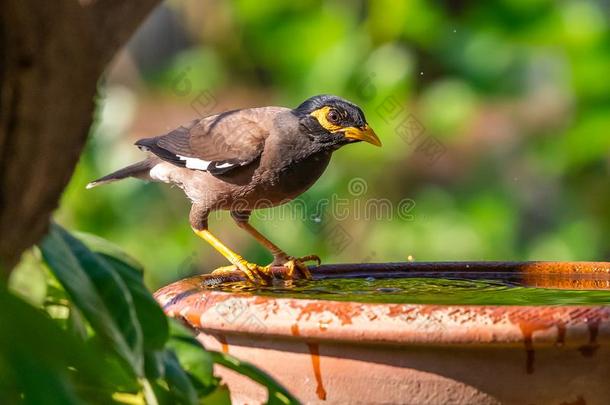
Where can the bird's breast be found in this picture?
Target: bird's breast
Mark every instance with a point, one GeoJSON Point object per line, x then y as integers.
{"type": "Point", "coordinates": [287, 179]}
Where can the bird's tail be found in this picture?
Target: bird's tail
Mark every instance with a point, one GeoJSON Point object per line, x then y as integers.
{"type": "Point", "coordinates": [139, 170]}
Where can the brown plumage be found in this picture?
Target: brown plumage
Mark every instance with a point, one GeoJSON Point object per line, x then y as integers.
{"type": "Point", "coordinates": [246, 159]}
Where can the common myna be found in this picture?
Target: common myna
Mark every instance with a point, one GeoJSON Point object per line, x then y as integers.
{"type": "Point", "coordinates": [246, 159]}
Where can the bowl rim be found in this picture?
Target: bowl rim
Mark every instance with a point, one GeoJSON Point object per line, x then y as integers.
{"type": "Point", "coordinates": [263, 317]}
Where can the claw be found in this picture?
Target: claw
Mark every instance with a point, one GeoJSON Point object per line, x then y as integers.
{"type": "Point", "coordinates": [309, 258]}
{"type": "Point", "coordinates": [255, 274]}
{"type": "Point", "coordinates": [297, 264]}
{"type": "Point", "coordinates": [260, 275]}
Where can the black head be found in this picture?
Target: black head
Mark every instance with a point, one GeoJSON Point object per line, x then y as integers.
{"type": "Point", "coordinates": [334, 121]}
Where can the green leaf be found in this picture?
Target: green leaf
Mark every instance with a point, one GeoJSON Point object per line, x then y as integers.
{"type": "Point", "coordinates": [107, 248]}
{"type": "Point", "coordinates": [202, 390]}
{"type": "Point", "coordinates": [153, 364]}
{"type": "Point", "coordinates": [153, 322]}
{"type": "Point", "coordinates": [219, 396]}
{"type": "Point", "coordinates": [98, 292]}
{"type": "Point", "coordinates": [178, 381]}
{"type": "Point", "coordinates": [43, 384]}
{"type": "Point", "coordinates": [277, 393]}
{"type": "Point", "coordinates": [76, 323]}
{"type": "Point", "coordinates": [36, 357]}
{"type": "Point", "coordinates": [194, 359]}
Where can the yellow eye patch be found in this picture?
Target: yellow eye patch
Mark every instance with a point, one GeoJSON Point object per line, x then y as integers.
{"type": "Point", "coordinates": [321, 115]}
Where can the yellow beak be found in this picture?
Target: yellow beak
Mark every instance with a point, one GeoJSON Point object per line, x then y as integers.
{"type": "Point", "coordinates": [365, 134]}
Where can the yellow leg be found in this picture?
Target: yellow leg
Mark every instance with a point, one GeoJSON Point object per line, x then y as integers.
{"type": "Point", "coordinates": [272, 247]}
{"type": "Point", "coordinates": [292, 264]}
{"type": "Point", "coordinates": [254, 273]}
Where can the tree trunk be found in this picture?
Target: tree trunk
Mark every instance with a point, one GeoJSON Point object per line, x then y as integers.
{"type": "Point", "coordinates": [51, 56]}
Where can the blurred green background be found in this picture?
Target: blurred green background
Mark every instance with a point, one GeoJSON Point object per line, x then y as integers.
{"type": "Point", "coordinates": [514, 94]}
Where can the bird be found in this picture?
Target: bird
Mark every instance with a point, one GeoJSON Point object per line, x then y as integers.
{"type": "Point", "coordinates": [245, 159]}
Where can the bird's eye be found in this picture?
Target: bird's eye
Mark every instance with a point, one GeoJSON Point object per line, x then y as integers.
{"type": "Point", "coordinates": [333, 116]}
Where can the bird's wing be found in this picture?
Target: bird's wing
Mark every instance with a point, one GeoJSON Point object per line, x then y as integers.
{"type": "Point", "coordinates": [217, 143]}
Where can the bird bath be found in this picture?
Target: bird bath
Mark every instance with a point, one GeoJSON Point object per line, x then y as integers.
{"type": "Point", "coordinates": [417, 333]}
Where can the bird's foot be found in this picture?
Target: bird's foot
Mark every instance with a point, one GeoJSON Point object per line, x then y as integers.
{"type": "Point", "coordinates": [262, 275]}
{"type": "Point", "coordinates": [296, 266]}
{"type": "Point", "coordinates": [255, 274]}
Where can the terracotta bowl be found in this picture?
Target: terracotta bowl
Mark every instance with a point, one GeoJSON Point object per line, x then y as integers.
{"type": "Point", "coordinates": [350, 352]}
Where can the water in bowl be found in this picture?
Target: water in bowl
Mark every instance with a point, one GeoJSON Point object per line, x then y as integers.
{"type": "Point", "coordinates": [500, 290]}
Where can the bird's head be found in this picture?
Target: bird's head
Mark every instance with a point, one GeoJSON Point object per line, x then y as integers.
{"type": "Point", "coordinates": [333, 121]}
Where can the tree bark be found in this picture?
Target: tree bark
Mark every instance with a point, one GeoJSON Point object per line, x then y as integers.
{"type": "Point", "coordinates": [52, 54]}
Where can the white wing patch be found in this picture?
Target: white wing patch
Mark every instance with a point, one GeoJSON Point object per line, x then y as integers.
{"type": "Point", "coordinates": [194, 163]}
{"type": "Point", "coordinates": [200, 164]}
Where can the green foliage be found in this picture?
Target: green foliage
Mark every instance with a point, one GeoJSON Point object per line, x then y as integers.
{"type": "Point", "coordinates": [37, 356]}
{"type": "Point", "coordinates": [99, 293]}
{"type": "Point", "coordinates": [100, 337]}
